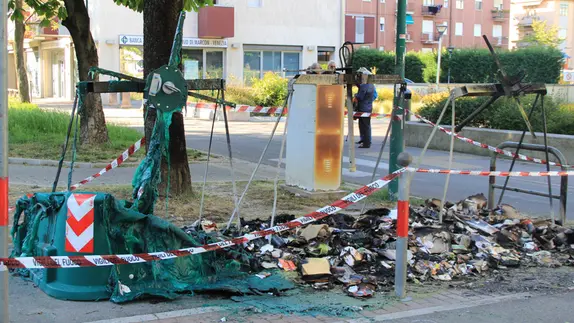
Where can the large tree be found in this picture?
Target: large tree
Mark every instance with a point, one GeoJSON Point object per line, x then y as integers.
{"type": "Point", "coordinates": [160, 22]}
{"type": "Point", "coordinates": [21, 72]}
{"type": "Point", "coordinates": [74, 16]}
{"type": "Point", "coordinates": [543, 35]}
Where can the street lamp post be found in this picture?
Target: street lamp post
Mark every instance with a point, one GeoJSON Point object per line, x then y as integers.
{"type": "Point", "coordinates": [450, 49]}
{"type": "Point", "coordinates": [441, 29]}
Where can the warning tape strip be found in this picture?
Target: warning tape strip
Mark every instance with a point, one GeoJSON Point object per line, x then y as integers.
{"type": "Point", "coordinates": [114, 164]}
{"type": "Point", "coordinates": [275, 110]}
{"type": "Point", "coordinates": [109, 260]}
{"type": "Point", "coordinates": [490, 173]}
{"type": "Point", "coordinates": [485, 146]}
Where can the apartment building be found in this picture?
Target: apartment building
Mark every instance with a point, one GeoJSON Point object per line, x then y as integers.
{"type": "Point", "coordinates": [372, 23]}
{"type": "Point", "coordinates": [235, 39]}
{"type": "Point", "coordinates": [558, 13]}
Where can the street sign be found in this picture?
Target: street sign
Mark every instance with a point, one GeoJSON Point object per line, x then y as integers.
{"type": "Point", "coordinates": [568, 75]}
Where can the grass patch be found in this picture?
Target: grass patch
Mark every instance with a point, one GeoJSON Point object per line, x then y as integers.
{"type": "Point", "coordinates": [40, 134]}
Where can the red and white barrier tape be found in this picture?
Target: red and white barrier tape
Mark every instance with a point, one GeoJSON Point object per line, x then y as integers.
{"type": "Point", "coordinates": [490, 173]}
{"type": "Point", "coordinates": [371, 115]}
{"type": "Point", "coordinates": [485, 146]}
{"type": "Point", "coordinates": [114, 164]}
{"type": "Point", "coordinates": [109, 260]}
{"type": "Point", "coordinates": [239, 108]}
{"type": "Point", "coordinates": [274, 110]}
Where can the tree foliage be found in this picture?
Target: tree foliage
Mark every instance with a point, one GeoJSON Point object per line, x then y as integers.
{"type": "Point", "coordinates": [46, 10]}
{"type": "Point", "coordinates": [543, 35]}
{"type": "Point", "coordinates": [188, 5]}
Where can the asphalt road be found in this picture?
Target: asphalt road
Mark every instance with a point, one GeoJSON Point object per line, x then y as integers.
{"type": "Point", "coordinates": [248, 140]}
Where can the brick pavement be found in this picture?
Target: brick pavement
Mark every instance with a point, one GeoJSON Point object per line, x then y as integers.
{"type": "Point", "coordinates": [443, 301]}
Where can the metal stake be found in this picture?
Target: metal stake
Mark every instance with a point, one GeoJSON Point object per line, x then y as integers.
{"type": "Point", "coordinates": [207, 164]}
{"type": "Point", "coordinates": [550, 198]}
{"type": "Point", "coordinates": [4, 161]}
{"type": "Point", "coordinates": [236, 210]}
{"type": "Point", "coordinates": [230, 158]}
{"type": "Point", "coordinates": [450, 157]}
{"type": "Point", "coordinates": [517, 152]}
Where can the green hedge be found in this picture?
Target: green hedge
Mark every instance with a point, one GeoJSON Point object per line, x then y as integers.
{"type": "Point", "coordinates": [504, 114]}
{"type": "Point", "coordinates": [541, 64]}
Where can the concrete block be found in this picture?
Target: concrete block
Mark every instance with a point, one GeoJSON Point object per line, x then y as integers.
{"type": "Point", "coordinates": [313, 194]}
{"type": "Point", "coordinates": [416, 135]}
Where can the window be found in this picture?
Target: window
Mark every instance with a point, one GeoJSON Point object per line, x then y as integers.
{"type": "Point", "coordinates": [458, 29]}
{"type": "Point", "coordinates": [445, 4]}
{"type": "Point", "coordinates": [562, 34]}
{"type": "Point", "coordinates": [257, 63]}
{"type": "Point", "coordinates": [324, 55]}
{"type": "Point", "coordinates": [564, 9]}
{"type": "Point", "coordinates": [382, 24]}
{"type": "Point", "coordinates": [477, 30]}
{"type": "Point", "coordinates": [459, 4]}
{"type": "Point", "coordinates": [255, 3]}
{"type": "Point", "coordinates": [426, 50]}
{"type": "Point", "coordinates": [359, 30]}
{"type": "Point", "coordinates": [382, 48]}
{"type": "Point", "coordinates": [428, 2]}
{"type": "Point", "coordinates": [382, 1]}
{"type": "Point", "coordinates": [478, 4]}
{"type": "Point", "coordinates": [428, 30]}
{"type": "Point", "coordinates": [498, 4]}
{"type": "Point", "coordinates": [497, 31]}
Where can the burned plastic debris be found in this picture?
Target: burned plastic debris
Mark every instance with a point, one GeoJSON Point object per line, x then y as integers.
{"type": "Point", "coordinates": [358, 254]}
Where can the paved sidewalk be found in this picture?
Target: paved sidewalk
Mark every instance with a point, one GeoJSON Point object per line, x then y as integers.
{"type": "Point", "coordinates": [450, 300]}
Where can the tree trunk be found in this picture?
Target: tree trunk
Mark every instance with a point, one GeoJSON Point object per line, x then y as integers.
{"type": "Point", "coordinates": [92, 120]}
{"type": "Point", "coordinates": [21, 73]}
{"type": "Point", "coordinates": [160, 24]}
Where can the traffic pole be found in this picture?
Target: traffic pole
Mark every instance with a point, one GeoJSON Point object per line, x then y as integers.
{"type": "Point", "coordinates": [4, 160]}
{"type": "Point", "coordinates": [397, 144]}
{"type": "Point", "coordinates": [404, 160]}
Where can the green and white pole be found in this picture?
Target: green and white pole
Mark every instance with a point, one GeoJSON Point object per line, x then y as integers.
{"type": "Point", "coordinates": [397, 122]}
{"type": "Point", "coordinates": [4, 160]}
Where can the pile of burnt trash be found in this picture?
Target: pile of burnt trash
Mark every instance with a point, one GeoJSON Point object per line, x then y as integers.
{"type": "Point", "coordinates": [358, 252]}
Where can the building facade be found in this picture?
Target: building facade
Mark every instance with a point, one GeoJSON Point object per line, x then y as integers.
{"type": "Point", "coordinates": [372, 23]}
{"type": "Point", "coordinates": [235, 39]}
{"type": "Point", "coordinates": [559, 13]}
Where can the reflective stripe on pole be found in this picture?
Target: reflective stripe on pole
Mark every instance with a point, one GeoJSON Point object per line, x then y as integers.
{"type": "Point", "coordinates": [4, 159]}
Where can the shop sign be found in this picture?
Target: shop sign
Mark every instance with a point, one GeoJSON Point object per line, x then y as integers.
{"type": "Point", "coordinates": [135, 40]}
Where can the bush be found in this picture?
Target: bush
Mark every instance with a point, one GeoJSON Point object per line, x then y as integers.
{"type": "Point", "coordinates": [503, 114]}
{"type": "Point", "coordinates": [240, 95]}
{"type": "Point", "coordinates": [385, 94]}
{"type": "Point", "coordinates": [271, 90]}
{"type": "Point", "coordinates": [541, 64]}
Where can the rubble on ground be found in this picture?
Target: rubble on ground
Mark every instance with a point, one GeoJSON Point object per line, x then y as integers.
{"type": "Point", "coordinates": [358, 253]}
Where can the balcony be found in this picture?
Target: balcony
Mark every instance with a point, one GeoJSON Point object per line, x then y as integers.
{"type": "Point", "coordinates": [430, 11]}
{"type": "Point", "coordinates": [500, 15]}
{"type": "Point", "coordinates": [410, 8]}
{"type": "Point", "coordinates": [429, 38]}
{"type": "Point", "coordinates": [216, 22]}
{"type": "Point", "coordinates": [528, 21]}
{"type": "Point", "coordinates": [500, 41]}
{"type": "Point", "coordinates": [523, 44]}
